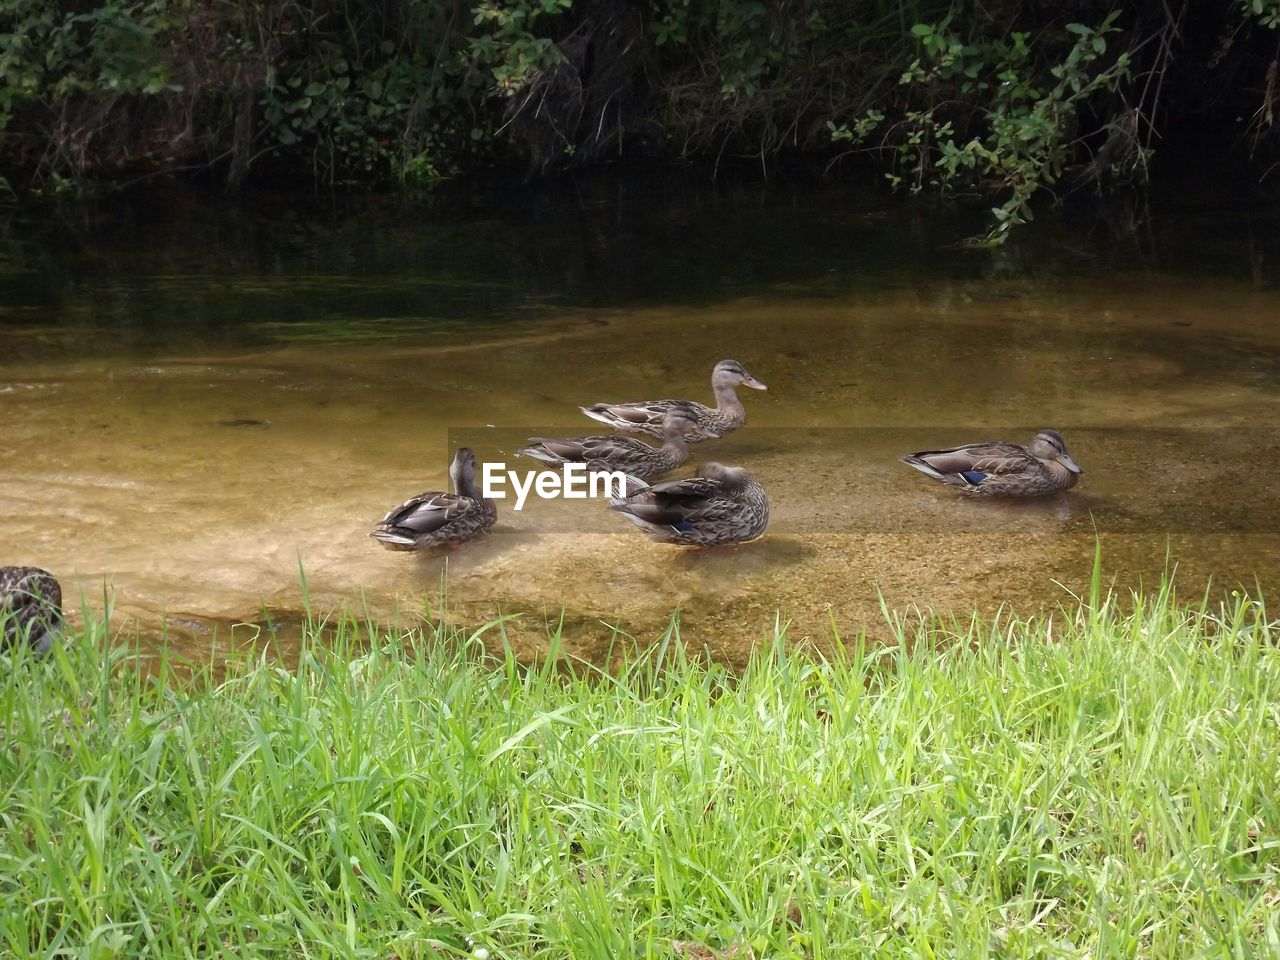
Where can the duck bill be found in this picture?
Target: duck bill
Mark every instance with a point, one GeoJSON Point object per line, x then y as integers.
{"type": "Point", "coordinates": [702, 431]}
{"type": "Point", "coordinates": [1070, 464]}
{"type": "Point", "coordinates": [754, 384]}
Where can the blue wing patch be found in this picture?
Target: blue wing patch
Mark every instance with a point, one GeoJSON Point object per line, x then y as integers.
{"type": "Point", "coordinates": [974, 477]}
{"type": "Point", "coordinates": [684, 527]}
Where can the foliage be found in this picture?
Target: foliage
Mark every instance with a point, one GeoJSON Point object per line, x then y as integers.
{"type": "Point", "coordinates": [352, 90]}
{"type": "Point", "coordinates": [1093, 783]}
{"type": "Point", "coordinates": [58, 65]}
{"type": "Point", "coordinates": [1017, 98]}
{"type": "Point", "coordinates": [987, 111]}
{"type": "Point", "coordinates": [363, 111]}
{"type": "Point", "coordinates": [1266, 11]}
{"type": "Point", "coordinates": [760, 78]}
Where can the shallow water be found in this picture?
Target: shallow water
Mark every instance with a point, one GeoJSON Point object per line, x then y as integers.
{"type": "Point", "coordinates": [196, 400]}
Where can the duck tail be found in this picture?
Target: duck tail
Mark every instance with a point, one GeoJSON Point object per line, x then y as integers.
{"type": "Point", "coordinates": [632, 486]}
{"type": "Point", "coordinates": [43, 638]}
{"type": "Point", "coordinates": [539, 453]}
{"type": "Point", "coordinates": [392, 539]}
{"type": "Point", "coordinates": [919, 463]}
{"type": "Point", "coordinates": [598, 411]}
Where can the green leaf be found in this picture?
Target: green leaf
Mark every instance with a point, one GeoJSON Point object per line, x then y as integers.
{"type": "Point", "coordinates": [922, 30]}
{"type": "Point", "coordinates": [555, 716]}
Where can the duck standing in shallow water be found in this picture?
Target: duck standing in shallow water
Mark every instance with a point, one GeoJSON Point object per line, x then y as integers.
{"type": "Point", "coordinates": [627, 454]}
{"type": "Point", "coordinates": [30, 607]}
{"type": "Point", "coordinates": [647, 416]}
{"type": "Point", "coordinates": [1001, 468]}
{"type": "Point", "coordinates": [719, 505]}
{"type": "Point", "coordinates": [434, 518]}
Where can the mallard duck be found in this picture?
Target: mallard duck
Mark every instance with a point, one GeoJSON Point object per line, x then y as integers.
{"type": "Point", "coordinates": [30, 607]}
{"type": "Point", "coordinates": [627, 454]}
{"type": "Point", "coordinates": [646, 416]}
{"type": "Point", "coordinates": [1001, 468]}
{"type": "Point", "coordinates": [434, 518]}
{"type": "Point", "coordinates": [719, 505]}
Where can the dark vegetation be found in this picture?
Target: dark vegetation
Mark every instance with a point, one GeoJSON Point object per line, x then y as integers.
{"type": "Point", "coordinates": [1011, 95]}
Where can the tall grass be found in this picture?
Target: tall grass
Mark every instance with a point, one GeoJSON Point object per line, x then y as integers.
{"type": "Point", "coordinates": [1101, 783]}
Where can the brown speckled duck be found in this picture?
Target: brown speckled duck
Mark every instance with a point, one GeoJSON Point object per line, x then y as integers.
{"type": "Point", "coordinates": [627, 454]}
{"type": "Point", "coordinates": [719, 505]}
{"type": "Point", "coordinates": [1003, 469]}
{"type": "Point", "coordinates": [646, 416]}
{"type": "Point", "coordinates": [434, 518]}
{"type": "Point", "coordinates": [30, 607]}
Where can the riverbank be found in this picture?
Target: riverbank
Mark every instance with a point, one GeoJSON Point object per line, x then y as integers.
{"type": "Point", "coordinates": [1016, 102]}
{"type": "Point", "coordinates": [1099, 781]}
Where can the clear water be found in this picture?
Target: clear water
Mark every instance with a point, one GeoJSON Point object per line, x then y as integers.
{"type": "Point", "coordinates": [196, 397]}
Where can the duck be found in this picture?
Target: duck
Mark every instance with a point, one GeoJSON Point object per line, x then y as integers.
{"type": "Point", "coordinates": [30, 608]}
{"type": "Point", "coordinates": [435, 518]}
{"type": "Point", "coordinates": [625, 454]}
{"type": "Point", "coordinates": [646, 416]}
{"type": "Point", "coordinates": [719, 505]}
{"type": "Point", "coordinates": [1000, 468]}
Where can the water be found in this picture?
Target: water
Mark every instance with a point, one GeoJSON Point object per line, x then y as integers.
{"type": "Point", "coordinates": [197, 398]}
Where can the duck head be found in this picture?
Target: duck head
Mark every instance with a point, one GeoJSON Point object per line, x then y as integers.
{"type": "Point", "coordinates": [729, 476]}
{"type": "Point", "coordinates": [681, 421]}
{"type": "Point", "coordinates": [1049, 445]}
{"type": "Point", "coordinates": [462, 472]}
{"type": "Point", "coordinates": [730, 373]}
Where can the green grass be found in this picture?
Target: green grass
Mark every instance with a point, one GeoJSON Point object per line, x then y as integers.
{"type": "Point", "coordinates": [1099, 783]}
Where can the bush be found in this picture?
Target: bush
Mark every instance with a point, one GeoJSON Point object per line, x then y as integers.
{"type": "Point", "coordinates": [1013, 97]}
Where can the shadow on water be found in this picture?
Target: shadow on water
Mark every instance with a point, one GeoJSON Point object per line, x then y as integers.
{"type": "Point", "coordinates": [197, 397]}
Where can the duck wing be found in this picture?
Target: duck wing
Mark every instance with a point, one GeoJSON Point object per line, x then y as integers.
{"type": "Point", "coordinates": [28, 591]}
{"type": "Point", "coordinates": [973, 461]}
{"type": "Point", "coordinates": [690, 488]}
{"type": "Point", "coordinates": [643, 416]}
{"type": "Point", "coordinates": [29, 595]}
{"type": "Point", "coordinates": [428, 512]}
{"type": "Point", "coordinates": [679, 502]}
{"type": "Point", "coordinates": [614, 450]}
